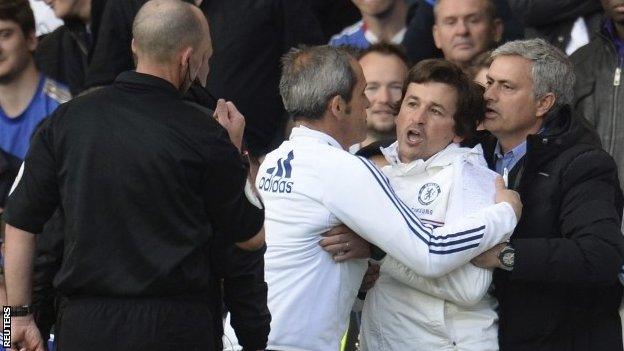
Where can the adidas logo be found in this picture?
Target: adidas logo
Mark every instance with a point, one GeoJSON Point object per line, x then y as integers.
{"type": "Point", "coordinates": [277, 179]}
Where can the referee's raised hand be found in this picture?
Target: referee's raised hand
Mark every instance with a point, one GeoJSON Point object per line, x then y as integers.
{"type": "Point", "coordinates": [232, 120]}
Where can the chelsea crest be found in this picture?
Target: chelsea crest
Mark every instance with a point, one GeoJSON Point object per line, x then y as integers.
{"type": "Point", "coordinates": [428, 193]}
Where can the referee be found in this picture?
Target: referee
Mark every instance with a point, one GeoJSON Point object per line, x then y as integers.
{"type": "Point", "coordinates": [144, 182]}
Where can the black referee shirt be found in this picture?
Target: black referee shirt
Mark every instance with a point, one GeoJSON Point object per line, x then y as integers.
{"type": "Point", "coordinates": [143, 181]}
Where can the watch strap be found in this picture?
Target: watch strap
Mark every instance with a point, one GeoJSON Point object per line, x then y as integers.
{"type": "Point", "coordinates": [21, 311]}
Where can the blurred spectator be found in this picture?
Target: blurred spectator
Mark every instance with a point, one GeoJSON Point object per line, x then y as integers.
{"type": "Point", "coordinates": [465, 28]}
{"type": "Point", "coordinates": [45, 20]}
{"type": "Point", "coordinates": [26, 95]}
{"type": "Point", "coordinates": [65, 53]}
{"type": "Point", "coordinates": [598, 95]}
{"type": "Point", "coordinates": [385, 69]}
{"type": "Point", "coordinates": [249, 37]}
{"type": "Point", "coordinates": [567, 24]}
{"type": "Point", "coordinates": [382, 20]}
{"type": "Point", "coordinates": [478, 68]}
{"type": "Point", "coordinates": [334, 15]}
{"type": "Point", "coordinates": [418, 39]}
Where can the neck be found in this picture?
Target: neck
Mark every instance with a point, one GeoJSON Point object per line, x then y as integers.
{"type": "Point", "coordinates": [164, 71]}
{"type": "Point", "coordinates": [509, 141]}
{"type": "Point", "coordinates": [16, 95]}
{"type": "Point", "coordinates": [84, 13]}
{"type": "Point", "coordinates": [461, 64]}
{"type": "Point", "coordinates": [386, 27]}
{"type": "Point", "coordinates": [324, 126]}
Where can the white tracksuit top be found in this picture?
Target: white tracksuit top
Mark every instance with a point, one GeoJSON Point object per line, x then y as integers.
{"type": "Point", "coordinates": [309, 185]}
{"type": "Point", "coordinates": [405, 311]}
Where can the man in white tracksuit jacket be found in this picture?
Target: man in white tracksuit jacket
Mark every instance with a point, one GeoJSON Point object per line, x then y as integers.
{"type": "Point", "coordinates": [311, 184]}
{"type": "Point", "coordinates": [441, 182]}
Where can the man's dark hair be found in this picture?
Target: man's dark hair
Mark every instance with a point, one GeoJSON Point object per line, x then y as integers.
{"type": "Point", "coordinates": [470, 103]}
{"type": "Point", "coordinates": [18, 11]}
{"type": "Point", "coordinates": [385, 48]}
{"type": "Point", "coordinates": [481, 61]}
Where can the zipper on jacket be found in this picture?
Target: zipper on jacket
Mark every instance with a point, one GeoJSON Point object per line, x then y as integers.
{"type": "Point", "coordinates": [616, 88]}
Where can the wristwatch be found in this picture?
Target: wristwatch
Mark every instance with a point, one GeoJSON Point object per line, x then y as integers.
{"type": "Point", "coordinates": [21, 311]}
{"type": "Point", "coordinates": [507, 257]}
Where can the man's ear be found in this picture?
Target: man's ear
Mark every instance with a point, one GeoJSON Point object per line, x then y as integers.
{"type": "Point", "coordinates": [497, 30]}
{"type": "Point", "coordinates": [134, 49]}
{"type": "Point", "coordinates": [337, 106]}
{"type": "Point", "coordinates": [545, 104]}
{"type": "Point", "coordinates": [186, 55]}
{"type": "Point", "coordinates": [31, 41]}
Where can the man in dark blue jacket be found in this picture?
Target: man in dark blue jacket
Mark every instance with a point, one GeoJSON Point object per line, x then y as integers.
{"type": "Point", "coordinates": [556, 281]}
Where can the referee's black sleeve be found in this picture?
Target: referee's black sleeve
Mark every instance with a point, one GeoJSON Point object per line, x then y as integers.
{"type": "Point", "coordinates": [231, 212]}
{"type": "Point", "coordinates": [36, 195]}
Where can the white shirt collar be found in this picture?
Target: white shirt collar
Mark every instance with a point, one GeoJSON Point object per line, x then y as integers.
{"type": "Point", "coordinates": [396, 39]}
{"type": "Point", "coordinates": [443, 158]}
{"type": "Point", "coordinates": [301, 132]}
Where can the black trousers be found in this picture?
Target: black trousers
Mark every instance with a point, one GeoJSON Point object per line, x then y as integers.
{"type": "Point", "coordinates": [119, 324]}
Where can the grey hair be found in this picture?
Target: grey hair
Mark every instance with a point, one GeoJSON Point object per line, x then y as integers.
{"type": "Point", "coordinates": [552, 71]}
{"type": "Point", "coordinates": [162, 27]}
{"type": "Point", "coordinates": [312, 76]}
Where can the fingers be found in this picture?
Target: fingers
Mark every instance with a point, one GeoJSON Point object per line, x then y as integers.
{"type": "Point", "coordinates": [337, 248]}
{"type": "Point", "coordinates": [232, 109]}
{"type": "Point", "coordinates": [221, 111]}
{"type": "Point", "coordinates": [499, 183]}
{"type": "Point", "coordinates": [340, 229]}
{"type": "Point", "coordinates": [343, 256]}
{"type": "Point", "coordinates": [332, 240]}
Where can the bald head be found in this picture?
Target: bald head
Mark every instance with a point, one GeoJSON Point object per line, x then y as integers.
{"type": "Point", "coordinates": [163, 27]}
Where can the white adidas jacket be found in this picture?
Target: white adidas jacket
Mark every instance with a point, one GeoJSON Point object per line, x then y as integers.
{"type": "Point", "coordinates": [309, 185]}
{"type": "Point", "coordinates": [405, 311]}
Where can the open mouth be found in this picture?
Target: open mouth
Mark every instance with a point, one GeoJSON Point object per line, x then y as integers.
{"type": "Point", "coordinates": [414, 137]}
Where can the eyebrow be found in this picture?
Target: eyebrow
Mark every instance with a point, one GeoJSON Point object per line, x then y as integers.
{"type": "Point", "coordinates": [488, 77]}
{"type": "Point", "coordinates": [433, 103]}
